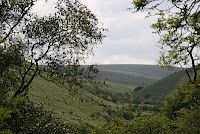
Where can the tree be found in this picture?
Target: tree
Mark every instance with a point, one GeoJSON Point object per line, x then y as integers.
{"type": "Point", "coordinates": [154, 124]}
{"type": "Point", "coordinates": [51, 46]}
{"type": "Point", "coordinates": [178, 24]}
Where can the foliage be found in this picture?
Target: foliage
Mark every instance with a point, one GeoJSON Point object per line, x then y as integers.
{"type": "Point", "coordinates": [188, 121]}
{"type": "Point", "coordinates": [151, 125]}
{"type": "Point", "coordinates": [178, 27]}
{"type": "Point", "coordinates": [185, 97]}
{"type": "Point", "coordinates": [183, 107]}
{"type": "Point", "coordinates": [142, 125]}
{"type": "Point", "coordinates": [51, 46]}
{"type": "Point", "coordinates": [119, 127]}
{"type": "Point", "coordinates": [18, 115]}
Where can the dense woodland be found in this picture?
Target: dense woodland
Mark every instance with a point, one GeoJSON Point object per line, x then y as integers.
{"type": "Point", "coordinates": [44, 89]}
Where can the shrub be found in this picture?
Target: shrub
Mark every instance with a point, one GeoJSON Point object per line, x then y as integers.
{"type": "Point", "coordinates": [18, 115]}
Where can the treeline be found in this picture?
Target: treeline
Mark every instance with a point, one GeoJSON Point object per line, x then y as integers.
{"type": "Point", "coordinates": [146, 103]}
{"type": "Point", "coordinates": [180, 114]}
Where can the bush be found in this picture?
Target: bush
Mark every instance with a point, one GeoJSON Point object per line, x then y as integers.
{"type": "Point", "coordinates": [183, 106]}
{"type": "Point", "coordinates": [188, 121]}
{"type": "Point", "coordinates": [187, 97]}
{"type": "Point", "coordinates": [18, 115]}
{"type": "Point", "coordinates": [156, 124]}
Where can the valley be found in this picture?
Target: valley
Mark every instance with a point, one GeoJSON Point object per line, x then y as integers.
{"type": "Point", "coordinates": [114, 96]}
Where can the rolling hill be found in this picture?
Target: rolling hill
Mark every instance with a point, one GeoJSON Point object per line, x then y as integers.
{"type": "Point", "coordinates": [135, 75]}
{"type": "Point", "coordinates": [84, 106]}
{"type": "Point", "coordinates": [148, 71]}
{"type": "Point", "coordinates": [164, 86]}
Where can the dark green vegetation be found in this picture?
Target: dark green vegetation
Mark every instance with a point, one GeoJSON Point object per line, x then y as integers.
{"type": "Point", "coordinates": [18, 115]}
{"type": "Point", "coordinates": [178, 27]}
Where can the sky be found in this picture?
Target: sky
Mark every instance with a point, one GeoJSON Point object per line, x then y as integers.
{"type": "Point", "coordinates": [129, 39]}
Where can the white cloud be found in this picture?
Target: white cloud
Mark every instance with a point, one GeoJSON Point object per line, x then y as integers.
{"type": "Point", "coordinates": [129, 37]}
{"type": "Point", "coordinates": [125, 59]}
{"type": "Point", "coordinates": [43, 7]}
{"type": "Point", "coordinates": [91, 4]}
{"type": "Point", "coordinates": [119, 59]}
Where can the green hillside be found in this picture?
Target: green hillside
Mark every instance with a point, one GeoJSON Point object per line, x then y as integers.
{"type": "Point", "coordinates": [162, 87]}
{"type": "Point", "coordinates": [109, 87]}
{"type": "Point", "coordinates": [82, 107]}
{"type": "Point", "coordinates": [125, 78]}
{"type": "Point", "coordinates": [93, 104]}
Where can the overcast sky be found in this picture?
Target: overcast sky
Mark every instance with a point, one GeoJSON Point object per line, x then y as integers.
{"type": "Point", "coordinates": [129, 37]}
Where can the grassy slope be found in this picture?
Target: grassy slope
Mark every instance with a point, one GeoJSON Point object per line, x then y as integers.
{"type": "Point", "coordinates": [84, 106]}
{"type": "Point", "coordinates": [78, 109]}
{"type": "Point", "coordinates": [109, 87]}
{"type": "Point", "coordinates": [124, 78]}
{"type": "Point", "coordinates": [117, 87]}
{"type": "Point", "coordinates": [164, 86]}
{"type": "Point", "coordinates": [81, 107]}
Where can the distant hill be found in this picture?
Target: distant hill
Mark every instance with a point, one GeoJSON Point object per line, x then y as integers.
{"type": "Point", "coordinates": [164, 86]}
{"type": "Point", "coordinates": [133, 74]}
{"type": "Point", "coordinates": [152, 71]}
